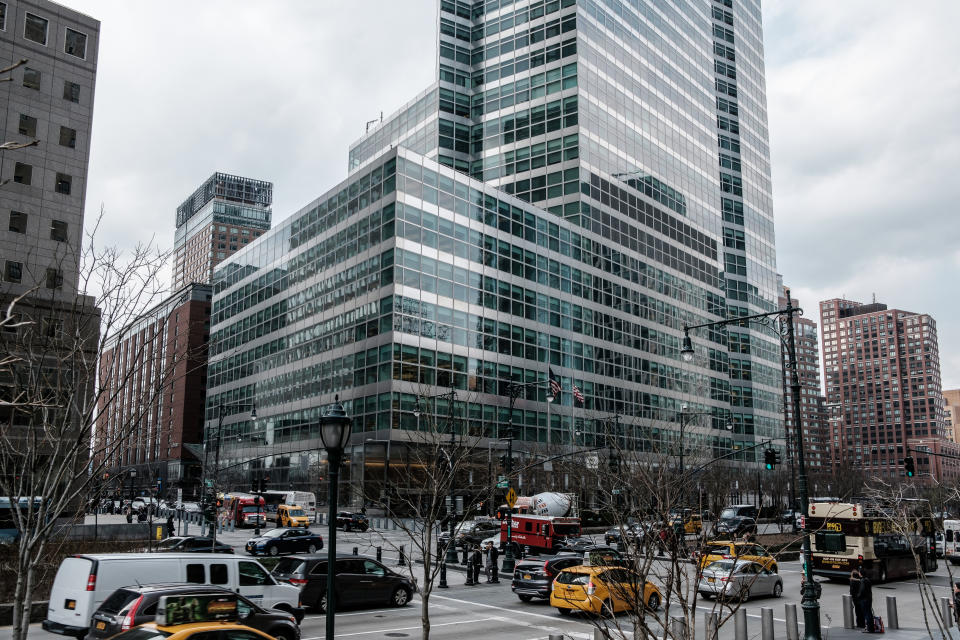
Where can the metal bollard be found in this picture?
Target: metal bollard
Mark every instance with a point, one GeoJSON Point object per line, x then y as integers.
{"type": "Point", "coordinates": [379, 554]}
{"type": "Point", "coordinates": [402, 561]}
{"type": "Point", "coordinates": [678, 627]}
{"type": "Point", "coordinates": [848, 621]}
{"type": "Point", "coordinates": [740, 624]}
{"type": "Point", "coordinates": [892, 621]}
{"type": "Point", "coordinates": [356, 551]}
{"type": "Point", "coordinates": [556, 636]}
{"type": "Point", "coordinates": [790, 614]}
{"type": "Point", "coordinates": [710, 625]}
{"type": "Point", "coordinates": [443, 572]}
{"type": "Point", "coordinates": [945, 612]}
{"type": "Point", "coordinates": [766, 623]}
{"type": "Point", "coordinates": [469, 581]}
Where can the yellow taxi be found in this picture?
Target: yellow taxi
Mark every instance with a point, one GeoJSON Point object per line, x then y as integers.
{"type": "Point", "coordinates": [692, 522]}
{"type": "Point", "coordinates": [602, 590]}
{"type": "Point", "coordinates": [729, 550]}
{"type": "Point", "coordinates": [195, 617]}
{"type": "Point", "coordinates": [290, 515]}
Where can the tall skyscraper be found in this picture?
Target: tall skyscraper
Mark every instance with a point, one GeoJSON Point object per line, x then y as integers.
{"type": "Point", "coordinates": [221, 217]}
{"type": "Point", "coordinates": [881, 369]}
{"type": "Point", "coordinates": [618, 189]}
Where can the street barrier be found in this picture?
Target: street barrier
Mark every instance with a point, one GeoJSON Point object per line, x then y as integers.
{"type": "Point", "coordinates": [740, 624]}
{"type": "Point", "coordinates": [945, 612]}
{"type": "Point", "coordinates": [678, 627]}
{"type": "Point", "coordinates": [790, 615]}
{"type": "Point", "coordinates": [766, 623]}
{"type": "Point", "coordinates": [892, 621]}
{"type": "Point", "coordinates": [710, 624]}
{"type": "Point", "coordinates": [848, 622]}
{"type": "Point", "coordinates": [402, 560]}
{"type": "Point", "coordinates": [379, 554]}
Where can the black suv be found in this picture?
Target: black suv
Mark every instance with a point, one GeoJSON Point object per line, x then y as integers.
{"type": "Point", "coordinates": [737, 520]}
{"type": "Point", "coordinates": [352, 521]}
{"type": "Point", "coordinates": [533, 578]}
{"type": "Point", "coordinates": [472, 532]}
{"type": "Point", "coordinates": [358, 581]}
{"type": "Point", "coordinates": [192, 544]}
{"type": "Point", "coordinates": [127, 607]}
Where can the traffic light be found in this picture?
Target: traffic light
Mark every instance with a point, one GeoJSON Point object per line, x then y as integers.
{"type": "Point", "coordinates": [770, 458]}
{"type": "Point", "coordinates": [501, 514]}
{"type": "Point", "coordinates": [159, 485]}
{"type": "Point", "coordinates": [909, 466]}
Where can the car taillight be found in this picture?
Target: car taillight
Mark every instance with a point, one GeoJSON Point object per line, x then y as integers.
{"type": "Point", "coordinates": [724, 579]}
{"type": "Point", "coordinates": [546, 569]}
{"type": "Point", "coordinates": [591, 588]}
{"type": "Point", "coordinates": [92, 582]}
{"type": "Point", "coordinates": [727, 556]}
{"type": "Point", "coordinates": [131, 615]}
{"type": "Point", "coordinates": [297, 581]}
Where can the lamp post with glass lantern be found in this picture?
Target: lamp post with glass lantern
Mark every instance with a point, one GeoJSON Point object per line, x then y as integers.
{"type": "Point", "coordinates": [334, 435]}
{"type": "Point", "coordinates": [809, 602]}
{"type": "Point", "coordinates": [514, 389]}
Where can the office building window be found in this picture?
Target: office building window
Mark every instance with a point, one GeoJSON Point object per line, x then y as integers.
{"type": "Point", "coordinates": [68, 137]}
{"type": "Point", "coordinates": [35, 28]}
{"type": "Point", "coordinates": [71, 91]}
{"type": "Point", "coordinates": [75, 44]}
{"type": "Point", "coordinates": [58, 231]}
{"type": "Point", "coordinates": [14, 271]}
{"type": "Point", "coordinates": [18, 222]}
{"type": "Point", "coordinates": [31, 78]}
{"type": "Point", "coordinates": [52, 327]}
{"type": "Point", "coordinates": [54, 279]}
{"type": "Point", "coordinates": [3, 16]}
{"type": "Point", "coordinates": [28, 126]}
{"type": "Point", "coordinates": [64, 183]}
{"type": "Point", "coordinates": [22, 173]}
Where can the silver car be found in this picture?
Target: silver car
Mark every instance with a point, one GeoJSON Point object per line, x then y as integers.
{"type": "Point", "coordinates": [738, 579]}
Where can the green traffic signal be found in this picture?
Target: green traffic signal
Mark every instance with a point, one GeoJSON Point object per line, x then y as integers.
{"type": "Point", "coordinates": [908, 465]}
{"type": "Point", "coordinates": [770, 459]}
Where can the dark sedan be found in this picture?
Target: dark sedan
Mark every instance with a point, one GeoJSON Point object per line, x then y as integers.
{"type": "Point", "coordinates": [277, 541]}
{"type": "Point", "coordinates": [192, 544]}
{"type": "Point", "coordinates": [352, 521]}
{"type": "Point", "coordinates": [129, 606]}
{"type": "Point", "coordinates": [359, 581]}
{"type": "Point", "coordinates": [533, 578]}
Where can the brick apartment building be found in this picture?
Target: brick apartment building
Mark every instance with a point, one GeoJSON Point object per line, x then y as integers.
{"type": "Point", "coordinates": [156, 368]}
{"type": "Point", "coordinates": [881, 369]}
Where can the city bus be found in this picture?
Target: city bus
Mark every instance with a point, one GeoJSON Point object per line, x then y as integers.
{"type": "Point", "coordinates": [848, 535]}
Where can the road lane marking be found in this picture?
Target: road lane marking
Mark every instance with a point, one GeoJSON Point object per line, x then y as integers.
{"type": "Point", "coordinates": [432, 626]}
{"type": "Point", "coordinates": [499, 608]}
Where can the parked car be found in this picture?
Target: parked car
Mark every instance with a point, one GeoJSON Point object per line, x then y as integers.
{"type": "Point", "coordinates": [787, 516]}
{"type": "Point", "coordinates": [533, 577]}
{"type": "Point", "coordinates": [192, 544]}
{"type": "Point", "coordinates": [473, 532]}
{"type": "Point", "coordinates": [84, 581]}
{"type": "Point", "coordinates": [130, 606]}
{"type": "Point", "coordinates": [602, 590]}
{"type": "Point", "coordinates": [352, 521]}
{"type": "Point", "coordinates": [729, 550]}
{"type": "Point", "coordinates": [628, 533]}
{"type": "Point", "coordinates": [738, 579]}
{"type": "Point", "coordinates": [277, 541]}
{"type": "Point", "coordinates": [358, 581]}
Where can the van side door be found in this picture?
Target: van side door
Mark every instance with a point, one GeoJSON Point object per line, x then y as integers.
{"type": "Point", "coordinates": [253, 582]}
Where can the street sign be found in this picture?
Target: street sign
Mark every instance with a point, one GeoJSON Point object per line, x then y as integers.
{"type": "Point", "coordinates": [511, 497]}
{"type": "Point", "coordinates": [503, 484]}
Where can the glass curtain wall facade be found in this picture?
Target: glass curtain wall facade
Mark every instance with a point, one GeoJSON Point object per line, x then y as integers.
{"type": "Point", "coordinates": [620, 189]}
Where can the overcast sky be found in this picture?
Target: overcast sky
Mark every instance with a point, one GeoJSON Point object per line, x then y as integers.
{"type": "Point", "coordinates": [863, 98]}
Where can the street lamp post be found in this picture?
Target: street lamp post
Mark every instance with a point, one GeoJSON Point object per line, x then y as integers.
{"type": "Point", "coordinates": [514, 389]}
{"type": "Point", "coordinates": [809, 602]}
{"type": "Point", "coordinates": [334, 435]}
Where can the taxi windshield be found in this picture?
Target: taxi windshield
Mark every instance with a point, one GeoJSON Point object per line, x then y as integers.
{"type": "Point", "coordinates": [297, 512]}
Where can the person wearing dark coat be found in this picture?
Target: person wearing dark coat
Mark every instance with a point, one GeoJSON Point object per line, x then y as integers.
{"type": "Point", "coordinates": [171, 531]}
{"type": "Point", "coordinates": [494, 558]}
{"type": "Point", "coordinates": [854, 591]}
{"type": "Point", "coordinates": [477, 564]}
{"type": "Point", "coordinates": [865, 598]}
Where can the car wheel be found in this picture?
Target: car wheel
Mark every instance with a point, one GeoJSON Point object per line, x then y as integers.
{"type": "Point", "coordinates": [524, 597]}
{"type": "Point", "coordinates": [284, 635]}
{"type": "Point", "coordinates": [705, 595]}
{"type": "Point", "coordinates": [653, 602]}
{"type": "Point", "coordinates": [346, 527]}
{"type": "Point", "coordinates": [744, 594]}
{"type": "Point", "coordinates": [608, 609]}
{"type": "Point", "coordinates": [322, 603]}
{"type": "Point", "coordinates": [777, 590]}
{"type": "Point", "coordinates": [272, 550]}
{"type": "Point", "coordinates": [312, 548]}
{"type": "Point", "coordinates": [400, 597]}
{"type": "Point", "coordinates": [562, 611]}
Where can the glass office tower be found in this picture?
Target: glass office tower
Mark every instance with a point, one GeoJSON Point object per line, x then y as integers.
{"type": "Point", "coordinates": [618, 189]}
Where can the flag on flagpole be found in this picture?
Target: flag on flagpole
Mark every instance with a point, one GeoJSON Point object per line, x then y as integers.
{"type": "Point", "coordinates": [578, 395]}
{"type": "Point", "coordinates": [554, 385]}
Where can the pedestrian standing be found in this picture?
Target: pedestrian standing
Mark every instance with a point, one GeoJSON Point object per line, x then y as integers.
{"type": "Point", "coordinates": [865, 596]}
{"type": "Point", "coordinates": [170, 529]}
{"type": "Point", "coordinates": [488, 563]}
{"type": "Point", "coordinates": [855, 594]}
{"type": "Point", "coordinates": [494, 558]}
{"type": "Point", "coordinates": [956, 603]}
{"type": "Point", "coordinates": [477, 563]}
{"type": "Point", "coordinates": [129, 514]}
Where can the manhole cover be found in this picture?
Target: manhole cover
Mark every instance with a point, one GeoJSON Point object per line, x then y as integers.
{"type": "Point", "coordinates": [397, 635]}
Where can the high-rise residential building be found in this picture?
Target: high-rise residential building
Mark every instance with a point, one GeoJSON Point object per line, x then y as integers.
{"type": "Point", "coordinates": [221, 217]}
{"type": "Point", "coordinates": [153, 384]}
{"type": "Point", "coordinates": [583, 179]}
{"type": "Point", "coordinates": [47, 103]}
{"type": "Point", "coordinates": [881, 369]}
{"type": "Point", "coordinates": [951, 399]}
{"type": "Point", "coordinates": [812, 411]}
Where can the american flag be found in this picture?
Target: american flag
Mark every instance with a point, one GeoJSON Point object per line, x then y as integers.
{"type": "Point", "coordinates": [578, 395]}
{"type": "Point", "coordinates": [554, 385]}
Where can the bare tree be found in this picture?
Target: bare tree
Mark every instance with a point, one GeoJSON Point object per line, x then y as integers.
{"type": "Point", "coordinates": [54, 340]}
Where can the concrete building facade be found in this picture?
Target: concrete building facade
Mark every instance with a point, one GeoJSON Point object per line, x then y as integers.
{"type": "Point", "coordinates": [881, 369]}
{"type": "Point", "coordinates": [951, 399]}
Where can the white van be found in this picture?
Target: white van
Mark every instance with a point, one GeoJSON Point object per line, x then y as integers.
{"type": "Point", "coordinates": [304, 499]}
{"type": "Point", "coordinates": [84, 581]}
{"type": "Point", "coordinates": [951, 541]}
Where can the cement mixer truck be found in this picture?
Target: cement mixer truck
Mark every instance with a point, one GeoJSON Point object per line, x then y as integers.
{"type": "Point", "coordinates": [549, 503]}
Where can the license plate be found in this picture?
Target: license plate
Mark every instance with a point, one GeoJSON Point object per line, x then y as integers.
{"type": "Point", "coordinates": [526, 576]}
{"type": "Point", "coordinates": [70, 604]}
{"type": "Point", "coordinates": [836, 566]}
{"type": "Point", "coordinates": [710, 579]}
{"type": "Point", "coordinates": [101, 625]}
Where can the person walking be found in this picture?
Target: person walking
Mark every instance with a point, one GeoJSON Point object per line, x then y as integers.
{"type": "Point", "coordinates": [494, 560]}
{"type": "Point", "coordinates": [487, 566]}
{"type": "Point", "coordinates": [477, 563]}
{"type": "Point", "coordinates": [855, 594]}
{"type": "Point", "coordinates": [865, 597]}
{"type": "Point", "coordinates": [171, 531]}
{"type": "Point", "coordinates": [956, 603]}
